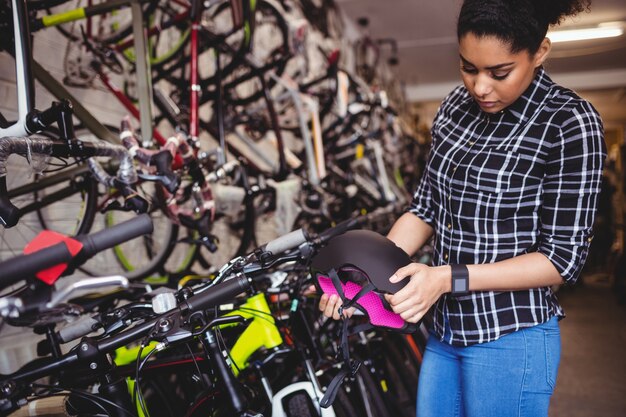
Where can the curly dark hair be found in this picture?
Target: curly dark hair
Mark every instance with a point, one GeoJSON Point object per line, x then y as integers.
{"type": "Point", "coordinates": [522, 24]}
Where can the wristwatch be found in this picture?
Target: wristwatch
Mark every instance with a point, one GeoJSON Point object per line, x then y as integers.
{"type": "Point", "coordinates": [460, 280]}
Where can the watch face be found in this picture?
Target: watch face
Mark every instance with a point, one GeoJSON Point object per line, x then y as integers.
{"type": "Point", "coordinates": [460, 285]}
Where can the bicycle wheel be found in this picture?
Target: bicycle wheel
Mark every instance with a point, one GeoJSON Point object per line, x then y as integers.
{"type": "Point", "coordinates": [59, 199]}
{"type": "Point", "coordinates": [401, 372]}
{"type": "Point", "coordinates": [269, 45]}
{"type": "Point", "coordinates": [104, 27]}
{"type": "Point", "coordinates": [356, 397]}
{"type": "Point", "coordinates": [168, 31]}
{"type": "Point", "coordinates": [369, 394]}
{"type": "Point", "coordinates": [156, 254]}
{"type": "Point", "coordinates": [234, 229]}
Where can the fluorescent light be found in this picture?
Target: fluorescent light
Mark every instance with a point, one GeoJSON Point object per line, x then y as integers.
{"type": "Point", "coordinates": [585, 34]}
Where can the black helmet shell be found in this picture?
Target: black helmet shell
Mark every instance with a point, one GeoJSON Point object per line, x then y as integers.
{"type": "Point", "coordinates": [371, 252]}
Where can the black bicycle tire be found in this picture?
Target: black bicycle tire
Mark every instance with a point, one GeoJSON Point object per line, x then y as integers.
{"type": "Point", "coordinates": [374, 396]}
{"type": "Point", "coordinates": [402, 370]}
{"type": "Point", "coordinates": [43, 4]}
{"type": "Point", "coordinates": [156, 263]}
{"type": "Point", "coordinates": [247, 238]}
{"type": "Point", "coordinates": [236, 61]}
{"type": "Point", "coordinates": [150, 6]}
{"type": "Point", "coordinates": [31, 205]}
{"type": "Point", "coordinates": [90, 210]}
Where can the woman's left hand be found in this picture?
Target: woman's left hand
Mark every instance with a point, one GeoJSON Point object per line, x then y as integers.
{"type": "Point", "coordinates": [425, 287]}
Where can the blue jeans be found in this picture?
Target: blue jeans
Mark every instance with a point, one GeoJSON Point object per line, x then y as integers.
{"type": "Point", "coordinates": [512, 376]}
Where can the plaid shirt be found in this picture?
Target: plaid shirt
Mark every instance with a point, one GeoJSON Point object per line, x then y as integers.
{"type": "Point", "coordinates": [500, 185]}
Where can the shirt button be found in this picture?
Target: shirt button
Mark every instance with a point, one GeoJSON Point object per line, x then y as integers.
{"type": "Point", "coordinates": [472, 143]}
{"type": "Point", "coordinates": [449, 226]}
{"type": "Point", "coordinates": [445, 256]}
{"type": "Point", "coordinates": [449, 197]}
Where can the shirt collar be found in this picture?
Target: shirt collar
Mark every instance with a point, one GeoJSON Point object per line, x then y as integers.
{"type": "Point", "coordinates": [526, 105]}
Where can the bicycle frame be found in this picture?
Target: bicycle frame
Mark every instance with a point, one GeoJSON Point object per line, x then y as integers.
{"type": "Point", "coordinates": [139, 43]}
{"type": "Point", "coordinates": [23, 71]}
{"type": "Point", "coordinates": [144, 112]}
{"type": "Point", "coordinates": [261, 332]}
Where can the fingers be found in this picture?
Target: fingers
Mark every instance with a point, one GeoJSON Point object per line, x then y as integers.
{"type": "Point", "coordinates": [408, 310]}
{"type": "Point", "coordinates": [329, 306]}
{"type": "Point", "coordinates": [415, 318]}
{"type": "Point", "coordinates": [405, 271]}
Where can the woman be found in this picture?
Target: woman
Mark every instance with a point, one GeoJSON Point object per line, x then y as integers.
{"type": "Point", "coordinates": [509, 194]}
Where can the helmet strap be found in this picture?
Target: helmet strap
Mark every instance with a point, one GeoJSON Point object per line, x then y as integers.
{"type": "Point", "coordinates": [350, 367]}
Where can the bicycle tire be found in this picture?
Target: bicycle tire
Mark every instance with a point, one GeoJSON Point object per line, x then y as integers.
{"type": "Point", "coordinates": [64, 202]}
{"type": "Point", "coordinates": [269, 24]}
{"type": "Point", "coordinates": [235, 232]}
{"type": "Point", "coordinates": [156, 255]}
{"type": "Point", "coordinates": [401, 368]}
{"type": "Point", "coordinates": [371, 396]}
{"type": "Point", "coordinates": [169, 41]}
{"type": "Point", "coordinates": [110, 31]}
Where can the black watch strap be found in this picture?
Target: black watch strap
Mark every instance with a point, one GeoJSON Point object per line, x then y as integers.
{"type": "Point", "coordinates": [460, 280]}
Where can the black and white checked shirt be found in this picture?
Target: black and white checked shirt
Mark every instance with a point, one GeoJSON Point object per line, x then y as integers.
{"type": "Point", "coordinates": [500, 185]}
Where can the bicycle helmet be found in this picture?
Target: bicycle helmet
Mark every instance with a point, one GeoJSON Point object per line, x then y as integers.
{"type": "Point", "coordinates": [363, 261]}
{"type": "Point", "coordinates": [357, 266]}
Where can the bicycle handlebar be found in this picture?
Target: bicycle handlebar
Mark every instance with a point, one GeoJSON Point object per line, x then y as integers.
{"type": "Point", "coordinates": [23, 266]}
{"type": "Point", "coordinates": [289, 241]}
{"type": "Point", "coordinates": [211, 296]}
{"type": "Point", "coordinates": [218, 294]}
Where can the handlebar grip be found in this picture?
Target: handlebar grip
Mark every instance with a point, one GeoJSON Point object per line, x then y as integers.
{"type": "Point", "coordinates": [341, 228]}
{"type": "Point", "coordinates": [217, 294]}
{"type": "Point", "coordinates": [24, 266]}
{"type": "Point", "coordinates": [115, 235]}
{"type": "Point", "coordinates": [289, 241]}
{"type": "Point", "coordinates": [79, 328]}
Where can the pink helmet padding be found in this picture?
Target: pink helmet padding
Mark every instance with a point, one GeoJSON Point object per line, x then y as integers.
{"type": "Point", "coordinates": [378, 314]}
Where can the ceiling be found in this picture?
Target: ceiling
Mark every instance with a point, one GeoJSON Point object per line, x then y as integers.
{"type": "Point", "coordinates": [425, 31]}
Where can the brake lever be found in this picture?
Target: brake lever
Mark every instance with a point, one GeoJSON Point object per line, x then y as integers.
{"type": "Point", "coordinates": [171, 183]}
{"type": "Point", "coordinates": [89, 284]}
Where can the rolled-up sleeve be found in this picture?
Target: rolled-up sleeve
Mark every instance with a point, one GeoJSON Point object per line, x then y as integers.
{"type": "Point", "coordinates": [570, 191]}
{"type": "Point", "coordinates": [422, 199]}
{"type": "Point", "coordinates": [421, 205]}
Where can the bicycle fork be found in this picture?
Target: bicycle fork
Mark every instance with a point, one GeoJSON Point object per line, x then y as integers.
{"type": "Point", "coordinates": [226, 381]}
